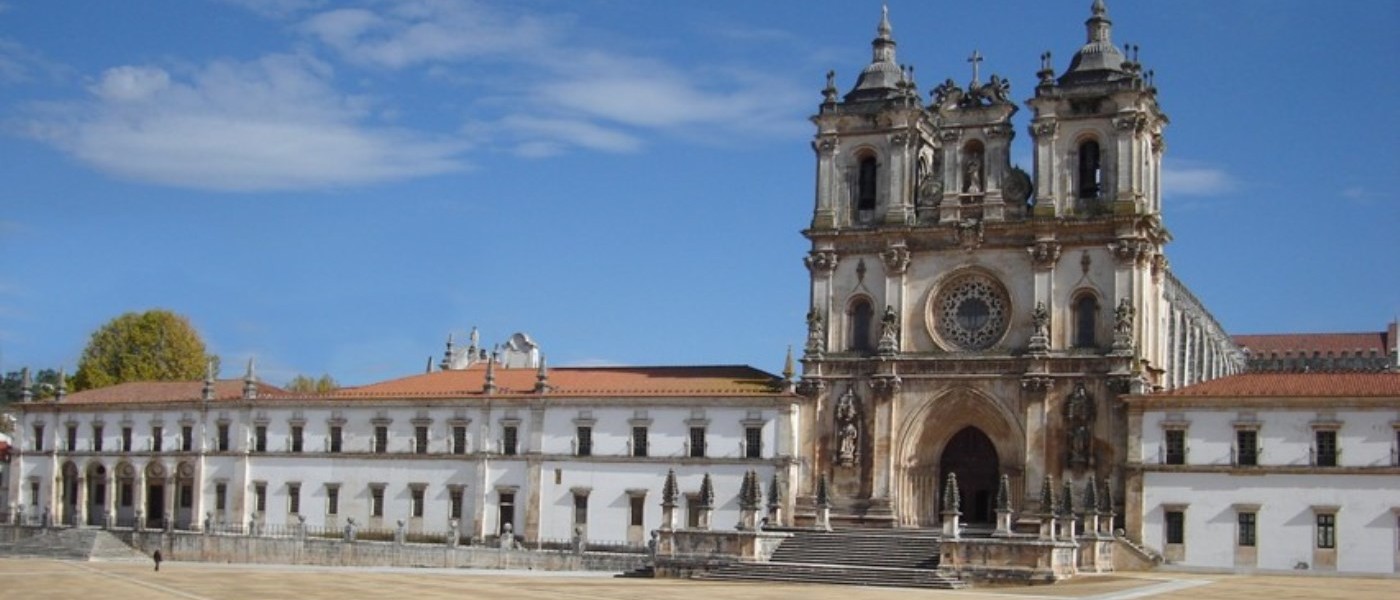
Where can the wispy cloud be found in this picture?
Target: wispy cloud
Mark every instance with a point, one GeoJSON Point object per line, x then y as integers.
{"type": "Point", "coordinates": [1191, 178]}
{"type": "Point", "coordinates": [277, 8]}
{"type": "Point", "coordinates": [19, 64]}
{"type": "Point", "coordinates": [275, 123]}
{"type": "Point", "coordinates": [1360, 194]}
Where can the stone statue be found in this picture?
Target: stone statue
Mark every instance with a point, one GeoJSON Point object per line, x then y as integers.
{"type": "Point", "coordinates": [973, 170]}
{"type": "Point", "coordinates": [930, 189]}
{"type": "Point", "coordinates": [847, 428]}
{"type": "Point", "coordinates": [997, 91]}
{"type": "Point", "coordinates": [848, 436]}
{"type": "Point", "coordinates": [1079, 422]}
{"type": "Point", "coordinates": [889, 331]}
{"type": "Point", "coordinates": [1041, 317]}
{"type": "Point", "coordinates": [947, 94]}
{"type": "Point", "coordinates": [1123, 317]}
{"type": "Point", "coordinates": [816, 333]}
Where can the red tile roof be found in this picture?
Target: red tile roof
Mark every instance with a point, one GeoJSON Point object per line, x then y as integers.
{"type": "Point", "coordinates": [578, 381]}
{"type": "Point", "coordinates": [1292, 385]}
{"type": "Point", "coordinates": [166, 391]}
{"type": "Point", "coordinates": [1309, 343]}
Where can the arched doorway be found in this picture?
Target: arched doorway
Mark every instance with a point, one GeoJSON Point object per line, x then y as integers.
{"type": "Point", "coordinates": [96, 494]}
{"type": "Point", "coordinates": [972, 456]}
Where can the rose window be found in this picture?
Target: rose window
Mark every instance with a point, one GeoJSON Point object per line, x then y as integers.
{"type": "Point", "coordinates": [970, 313]}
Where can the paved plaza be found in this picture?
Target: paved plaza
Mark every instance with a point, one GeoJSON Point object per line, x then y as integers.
{"type": "Point", "coordinates": [34, 579]}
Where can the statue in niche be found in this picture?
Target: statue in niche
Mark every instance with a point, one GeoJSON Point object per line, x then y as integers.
{"type": "Point", "coordinates": [930, 184]}
{"type": "Point", "coordinates": [1041, 317]}
{"type": "Point", "coordinates": [816, 332]}
{"type": "Point", "coordinates": [1079, 423]}
{"type": "Point", "coordinates": [1123, 317]}
{"type": "Point", "coordinates": [848, 429]}
{"type": "Point", "coordinates": [973, 172]}
{"type": "Point", "coordinates": [889, 331]}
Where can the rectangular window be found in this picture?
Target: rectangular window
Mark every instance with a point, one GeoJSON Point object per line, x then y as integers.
{"type": "Point", "coordinates": [124, 494]}
{"type": "Point", "coordinates": [186, 496]}
{"type": "Point", "coordinates": [72, 438]}
{"type": "Point", "coordinates": [38, 438]}
{"type": "Point", "coordinates": [1176, 527]}
{"type": "Point", "coordinates": [416, 503]}
{"type": "Point", "coordinates": [1327, 531]}
{"type": "Point", "coordinates": [753, 442]}
{"type": "Point", "coordinates": [260, 438]}
{"type": "Point", "coordinates": [697, 442]}
{"type": "Point", "coordinates": [639, 441]}
{"type": "Point", "coordinates": [1247, 447]}
{"type": "Point", "coordinates": [96, 438]}
{"type": "Point", "coordinates": [332, 500]}
{"type": "Point", "coordinates": [585, 440]}
{"type": "Point", "coordinates": [580, 509]}
{"type": "Point", "coordinates": [376, 501]}
{"type": "Point", "coordinates": [455, 510]}
{"type": "Point", "coordinates": [220, 496]}
{"type": "Point", "coordinates": [186, 438]}
{"type": "Point", "coordinates": [420, 439]}
{"type": "Point", "coordinates": [298, 438]}
{"type": "Point", "coordinates": [1247, 529]}
{"type": "Point", "coordinates": [126, 439]}
{"type": "Point", "coordinates": [34, 494]}
{"type": "Point", "coordinates": [259, 497]}
{"type": "Point", "coordinates": [223, 437]}
{"type": "Point", "coordinates": [337, 437]}
{"type": "Point", "coordinates": [637, 512]}
{"type": "Point", "coordinates": [381, 439]}
{"type": "Point", "coordinates": [459, 439]}
{"type": "Point", "coordinates": [294, 498]}
{"type": "Point", "coordinates": [509, 439]}
{"type": "Point", "coordinates": [1326, 448]}
{"type": "Point", "coordinates": [157, 438]}
{"type": "Point", "coordinates": [1176, 447]}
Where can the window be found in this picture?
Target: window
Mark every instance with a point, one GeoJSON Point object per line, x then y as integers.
{"type": "Point", "coordinates": [376, 501]}
{"type": "Point", "coordinates": [509, 439]}
{"type": "Point", "coordinates": [454, 510]}
{"type": "Point", "coordinates": [415, 508]}
{"type": "Point", "coordinates": [1176, 447]}
{"type": "Point", "coordinates": [459, 439]}
{"type": "Point", "coordinates": [1086, 313]}
{"type": "Point", "coordinates": [639, 441]}
{"type": "Point", "coordinates": [381, 439]}
{"type": "Point", "coordinates": [72, 438]}
{"type": "Point", "coordinates": [1326, 531]}
{"type": "Point", "coordinates": [580, 508]}
{"type": "Point", "coordinates": [223, 444]}
{"type": "Point", "coordinates": [697, 442]}
{"type": "Point", "coordinates": [753, 442]}
{"type": "Point", "coordinates": [1090, 173]}
{"type": "Point", "coordinates": [220, 496]}
{"type": "Point", "coordinates": [259, 497]}
{"type": "Point", "coordinates": [157, 438]}
{"type": "Point", "coordinates": [1246, 531]}
{"type": "Point", "coordinates": [298, 443]}
{"type": "Point", "coordinates": [260, 438]}
{"type": "Point", "coordinates": [1247, 447]}
{"type": "Point", "coordinates": [186, 438]}
{"type": "Point", "coordinates": [186, 496]}
{"type": "Point", "coordinates": [96, 438]}
{"type": "Point", "coordinates": [332, 499]}
{"type": "Point", "coordinates": [866, 185]}
{"type": "Point", "coordinates": [860, 315]}
{"type": "Point", "coordinates": [1176, 527]}
{"type": "Point", "coordinates": [637, 510]}
{"type": "Point", "coordinates": [337, 438]}
{"type": "Point", "coordinates": [1326, 448]}
{"type": "Point", "coordinates": [38, 438]}
{"type": "Point", "coordinates": [585, 440]}
{"type": "Point", "coordinates": [420, 439]}
{"type": "Point", "coordinates": [34, 494]}
{"type": "Point", "coordinates": [125, 493]}
{"type": "Point", "coordinates": [294, 498]}
{"type": "Point", "coordinates": [126, 439]}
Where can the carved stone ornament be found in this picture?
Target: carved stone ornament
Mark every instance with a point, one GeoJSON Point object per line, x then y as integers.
{"type": "Point", "coordinates": [1044, 254]}
{"type": "Point", "coordinates": [810, 388]}
{"type": "Point", "coordinates": [1034, 383]}
{"type": "Point", "coordinates": [889, 332]}
{"type": "Point", "coordinates": [1130, 250]}
{"type": "Point", "coordinates": [886, 385]}
{"type": "Point", "coordinates": [900, 138]}
{"type": "Point", "coordinates": [1123, 317]}
{"type": "Point", "coordinates": [1080, 412]}
{"type": "Point", "coordinates": [1159, 265]}
{"type": "Point", "coordinates": [826, 146]}
{"type": "Point", "coordinates": [1044, 128]}
{"type": "Point", "coordinates": [1133, 122]}
{"type": "Point", "coordinates": [1016, 186]}
{"type": "Point", "coordinates": [970, 313]}
{"type": "Point", "coordinates": [816, 333]}
{"type": "Point", "coordinates": [969, 234]}
{"type": "Point", "coordinates": [847, 422]}
{"type": "Point", "coordinates": [896, 259]}
{"type": "Point", "coordinates": [821, 262]}
{"type": "Point", "coordinates": [947, 95]}
{"type": "Point", "coordinates": [1040, 336]}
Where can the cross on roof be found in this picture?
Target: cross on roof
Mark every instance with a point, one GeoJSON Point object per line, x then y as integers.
{"type": "Point", "coordinates": [975, 59]}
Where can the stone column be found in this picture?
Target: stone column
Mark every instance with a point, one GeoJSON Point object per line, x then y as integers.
{"type": "Point", "coordinates": [80, 515]}
{"type": "Point", "coordinates": [109, 506]}
{"type": "Point", "coordinates": [139, 500]}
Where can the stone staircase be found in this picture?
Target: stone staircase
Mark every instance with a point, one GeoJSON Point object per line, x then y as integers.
{"type": "Point", "coordinates": [72, 544]}
{"type": "Point", "coordinates": [885, 558]}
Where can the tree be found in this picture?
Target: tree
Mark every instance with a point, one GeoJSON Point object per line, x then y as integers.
{"type": "Point", "coordinates": [303, 384]}
{"type": "Point", "coordinates": [156, 345]}
{"type": "Point", "coordinates": [44, 384]}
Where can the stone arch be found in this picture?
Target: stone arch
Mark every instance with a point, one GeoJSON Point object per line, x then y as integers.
{"type": "Point", "coordinates": [69, 487]}
{"type": "Point", "coordinates": [96, 478]}
{"type": "Point", "coordinates": [860, 323]}
{"type": "Point", "coordinates": [924, 435]}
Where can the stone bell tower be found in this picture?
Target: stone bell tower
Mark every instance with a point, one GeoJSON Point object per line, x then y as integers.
{"type": "Point", "coordinates": [965, 316]}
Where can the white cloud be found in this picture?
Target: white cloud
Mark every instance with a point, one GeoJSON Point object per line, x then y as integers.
{"type": "Point", "coordinates": [413, 33]}
{"type": "Point", "coordinates": [576, 132]}
{"type": "Point", "coordinates": [1190, 178]}
{"type": "Point", "coordinates": [271, 124]}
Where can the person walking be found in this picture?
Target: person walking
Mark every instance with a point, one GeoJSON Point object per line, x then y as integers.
{"type": "Point", "coordinates": [157, 558]}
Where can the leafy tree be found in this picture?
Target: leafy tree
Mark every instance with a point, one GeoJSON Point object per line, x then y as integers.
{"type": "Point", "coordinates": [44, 384]}
{"type": "Point", "coordinates": [307, 385]}
{"type": "Point", "coordinates": [156, 345]}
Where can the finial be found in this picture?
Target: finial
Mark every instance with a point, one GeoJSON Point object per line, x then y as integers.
{"type": "Point", "coordinates": [475, 338]}
{"type": "Point", "coordinates": [774, 498]}
{"type": "Point", "coordinates": [208, 392]}
{"type": "Point", "coordinates": [446, 355]}
{"type": "Point", "coordinates": [707, 492]}
{"type": "Point", "coordinates": [26, 386]}
{"type": "Point", "coordinates": [250, 383]}
{"type": "Point", "coordinates": [490, 386]}
{"type": "Point", "coordinates": [788, 369]}
{"type": "Point", "coordinates": [542, 377]}
{"type": "Point", "coordinates": [429, 368]}
{"type": "Point", "coordinates": [670, 492]}
{"type": "Point", "coordinates": [1098, 8]}
{"type": "Point", "coordinates": [62, 389]}
{"type": "Point", "coordinates": [976, 60]}
{"type": "Point", "coordinates": [884, 29]}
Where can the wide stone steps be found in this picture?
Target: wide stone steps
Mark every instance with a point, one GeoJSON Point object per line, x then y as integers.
{"type": "Point", "coordinates": [72, 544]}
{"type": "Point", "coordinates": [910, 551]}
{"type": "Point", "coordinates": [833, 574]}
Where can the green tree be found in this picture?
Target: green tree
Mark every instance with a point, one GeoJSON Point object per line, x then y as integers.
{"type": "Point", "coordinates": [156, 345]}
{"type": "Point", "coordinates": [303, 384]}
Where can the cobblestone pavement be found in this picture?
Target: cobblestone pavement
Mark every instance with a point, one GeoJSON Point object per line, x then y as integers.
{"type": "Point", "coordinates": [38, 579]}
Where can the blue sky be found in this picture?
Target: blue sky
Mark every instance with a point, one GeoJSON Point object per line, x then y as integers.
{"type": "Point", "coordinates": [334, 187]}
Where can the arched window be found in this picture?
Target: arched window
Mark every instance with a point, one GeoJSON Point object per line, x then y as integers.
{"type": "Point", "coordinates": [1090, 170]}
{"type": "Point", "coordinates": [860, 316]}
{"type": "Point", "coordinates": [1086, 314]}
{"type": "Point", "coordinates": [865, 189]}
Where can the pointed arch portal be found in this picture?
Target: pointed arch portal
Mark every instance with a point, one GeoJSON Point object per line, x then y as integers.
{"type": "Point", "coordinates": [972, 456]}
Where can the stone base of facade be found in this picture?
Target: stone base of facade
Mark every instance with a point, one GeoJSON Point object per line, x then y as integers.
{"type": "Point", "coordinates": [688, 552]}
{"type": "Point", "coordinates": [1017, 559]}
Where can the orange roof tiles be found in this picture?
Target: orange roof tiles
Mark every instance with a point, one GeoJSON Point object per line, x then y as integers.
{"type": "Point", "coordinates": [166, 391]}
{"type": "Point", "coordinates": [579, 381]}
{"type": "Point", "coordinates": [1285, 385]}
{"type": "Point", "coordinates": [1315, 342]}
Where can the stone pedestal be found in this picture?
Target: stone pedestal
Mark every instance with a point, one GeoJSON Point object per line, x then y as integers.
{"type": "Point", "coordinates": [1049, 528]}
{"type": "Point", "coordinates": [824, 518]}
{"type": "Point", "coordinates": [1003, 524]}
{"type": "Point", "coordinates": [668, 516]}
{"type": "Point", "coordinates": [952, 525]}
